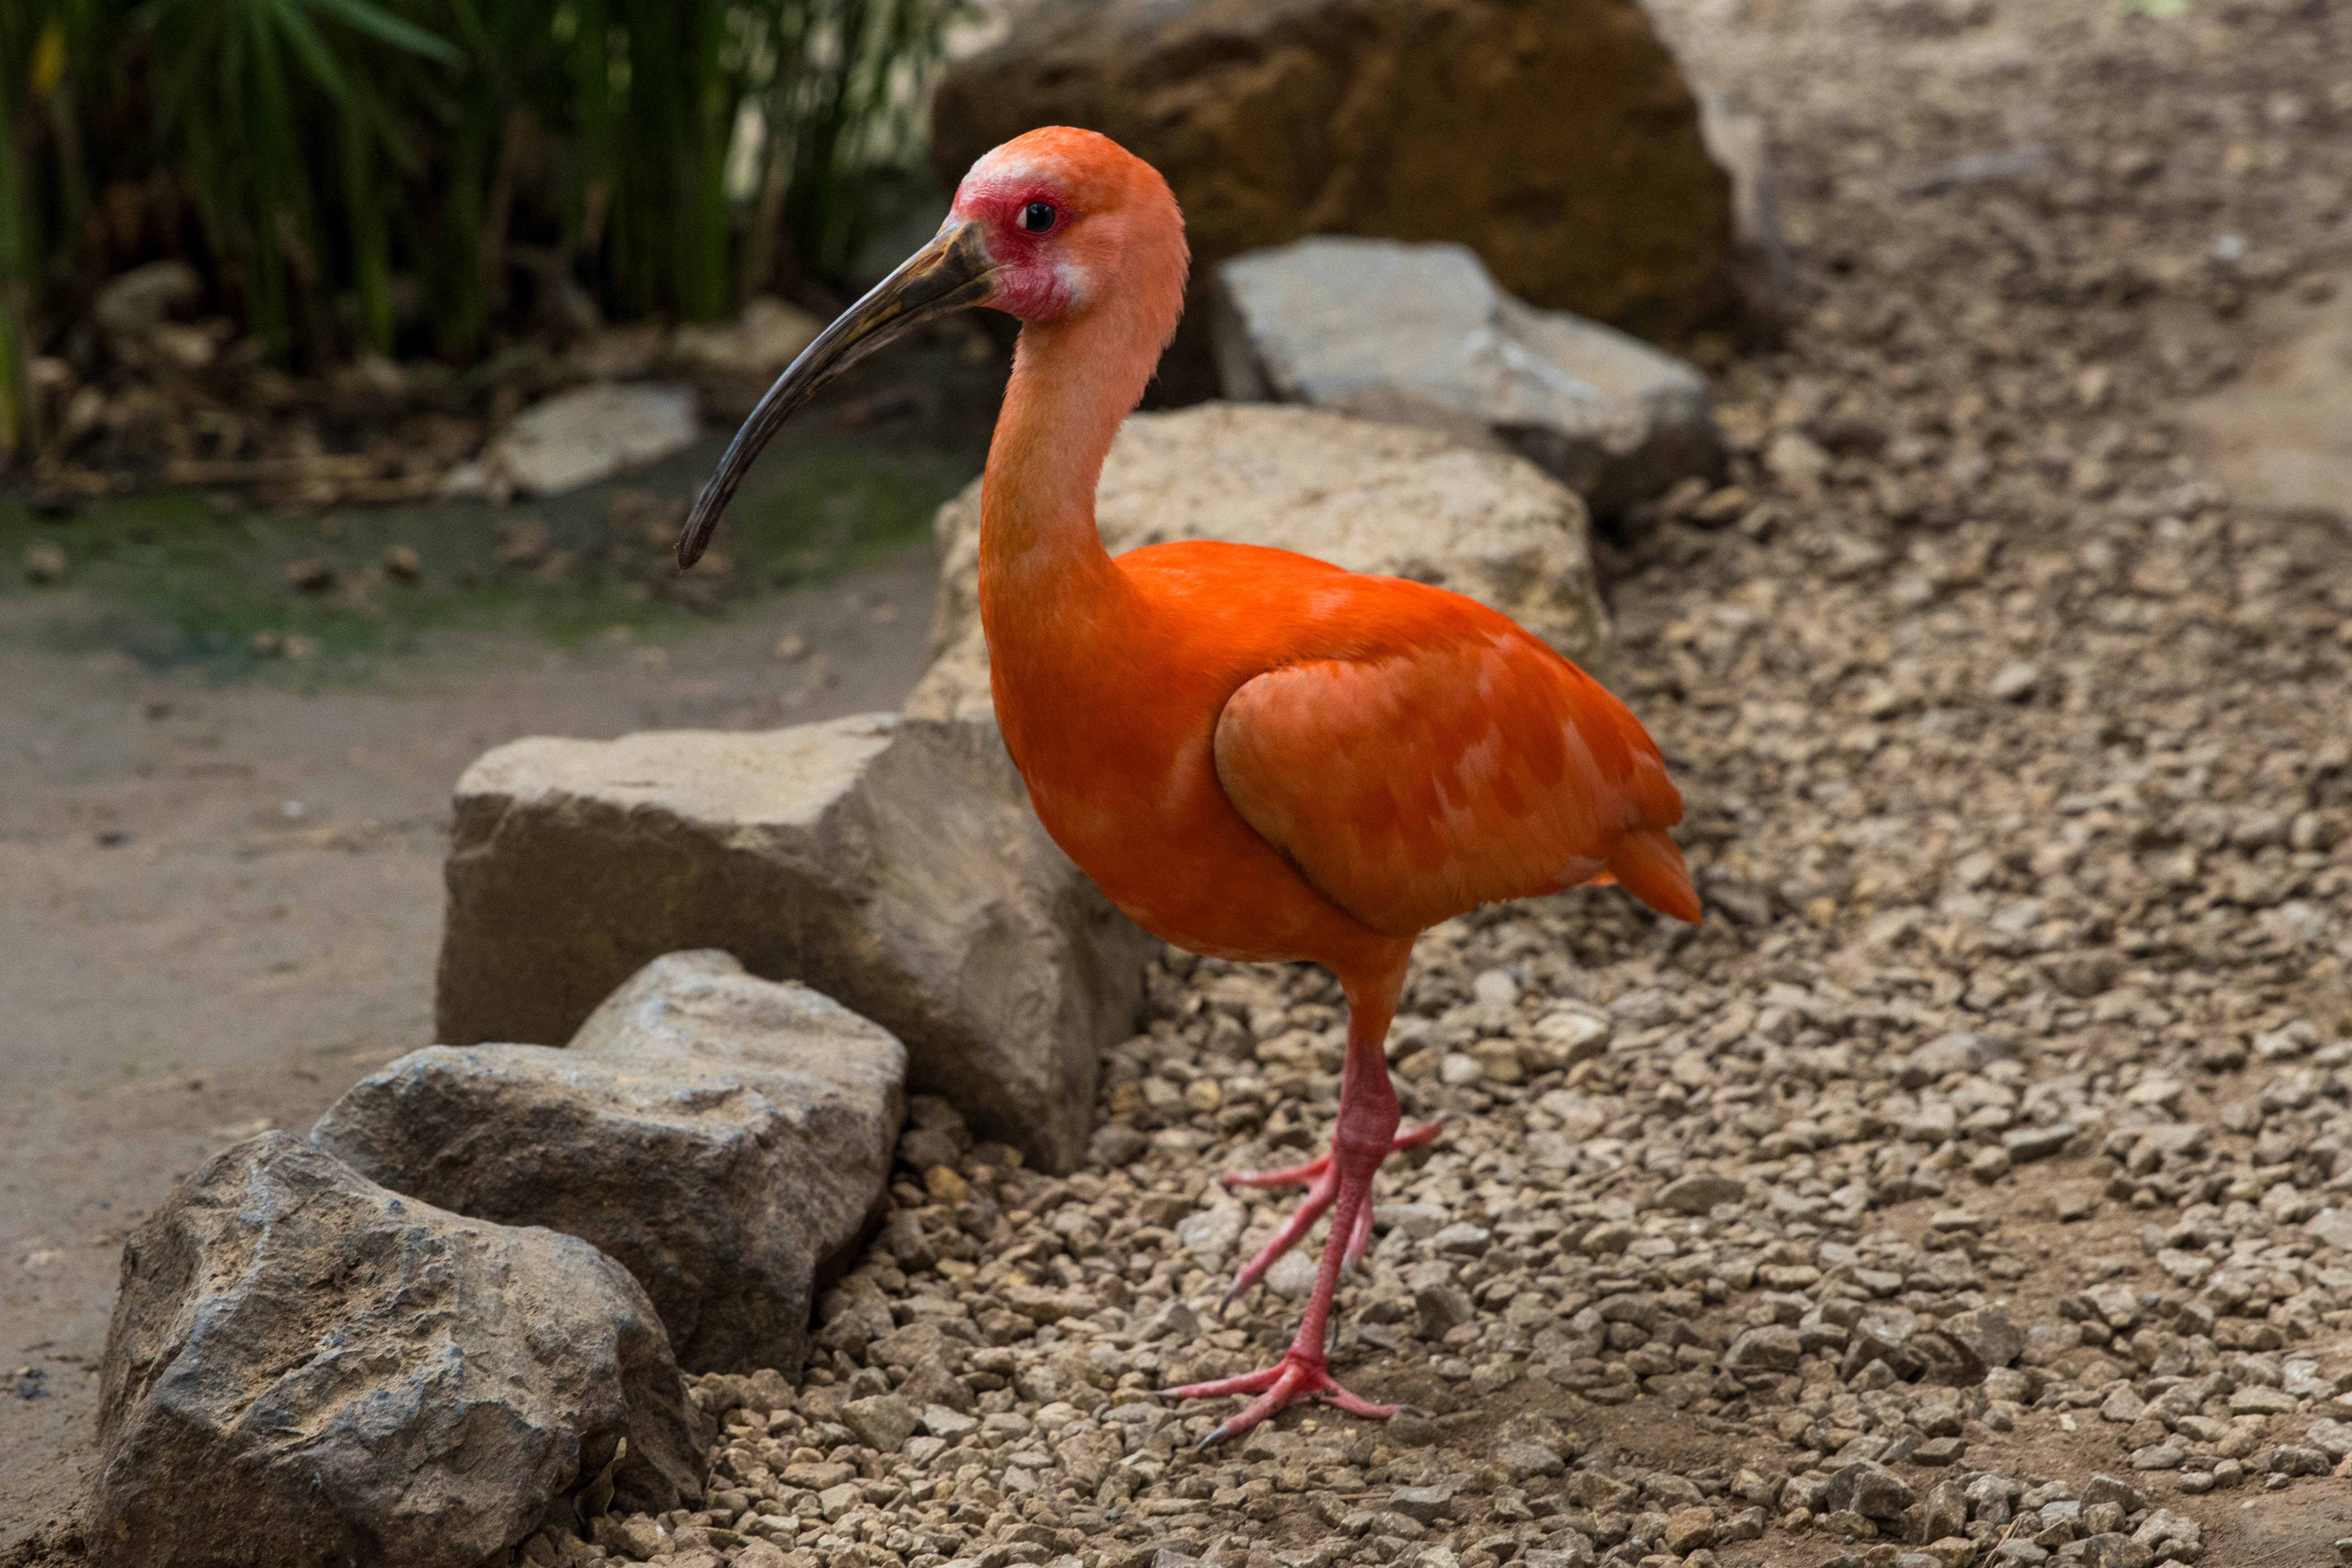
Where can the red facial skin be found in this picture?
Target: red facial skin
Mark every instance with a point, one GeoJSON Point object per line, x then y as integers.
{"type": "Point", "coordinates": [1033, 280]}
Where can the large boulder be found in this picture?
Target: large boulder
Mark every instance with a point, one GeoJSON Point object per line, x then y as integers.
{"type": "Point", "coordinates": [1369, 497]}
{"type": "Point", "coordinates": [725, 1137]}
{"type": "Point", "coordinates": [306, 1368]}
{"type": "Point", "coordinates": [1421, 335]}
{"type": "Point", "coordinates": [1556, 138]}
{"type": "Point", "coordinates": [892, 865]}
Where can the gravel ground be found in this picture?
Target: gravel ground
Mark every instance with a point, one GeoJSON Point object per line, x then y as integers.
{"type": "Point", "coordinates": [1974, 1186]}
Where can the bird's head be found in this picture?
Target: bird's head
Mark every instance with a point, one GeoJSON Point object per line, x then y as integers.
{"type": "Point", "coordinates": [1059, 226]}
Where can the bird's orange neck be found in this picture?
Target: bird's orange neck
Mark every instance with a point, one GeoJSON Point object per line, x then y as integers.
{"type": "Point", "coordinates": [1075, 378]}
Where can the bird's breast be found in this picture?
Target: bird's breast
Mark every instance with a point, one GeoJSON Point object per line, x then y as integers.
{"type": "Point", "coordinates": [1122, 775]}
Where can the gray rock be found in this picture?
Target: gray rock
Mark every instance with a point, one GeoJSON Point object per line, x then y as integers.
{"type": "Point", "coordinates": [1369, 497]}
{"type": "Point", "coordinates": [1881, 1333]}
{"type": "Point", "coordinates": [1426, 1504]}
{"type": "Point", "coordinates": [2256, 1399]}
{"type": "Point", "coordinates": [1700, 1192]}
{"type": "Point", "coordinates": [1987, 1333]}
{"type": "Point", "coordinates": [2104, 1487]}
{"type": "Point", "coordinates": [1462, 1238]}
{"type": "Point", "coordinates": [304, 1367]}
{"type": "Point", "coordinates": [1420, 334]}
{"type": "Point", "coordinates": [1991, 1498]}
{"type": "Point", "coordinates": [2024, 1144]}
{"type": "Point", "coordinates": [1940, 1359]}
{"type": "Point", "coordinates": [1949, 1054]}
{"type": "Point", "coordinates": [1775, 1346]}
{"type": "Point", "coordinates": [1117, 1144]}
{"type": "Point", "coordinates": [1526, 1460]}
{"type": "Point", "coordinates": [1441, 1307]}
{"type": "Point", "coordinates": [881, 1421]}
{"type": "Point", "coordinates": [581, 438]}
{"type": "Point", "coordinates": [2333, 1226]}
{"type": "Point", "coordinates": [942, 1421]}
{"type": "Point", "coordinates": [1211, 1233]}
{"type": "Point", "coordinates": [725, 1138]}
{"type": "Point", "coordinates": [2115, 1551]}
{"type": "Point", "coordinates": [1292, 1275]}
{"type": "Point", "coordinates": [2172, 1535]}
{"type": "Point", "coordinates": [1566, 1549]}
{"type": "Point", "coordinates": [1870, 1490]}
{"type": "Point", "coordinates": [892, 865]}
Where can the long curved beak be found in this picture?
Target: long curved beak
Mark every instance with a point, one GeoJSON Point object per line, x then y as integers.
{"type": "Point", "coordinates": [951, 273]}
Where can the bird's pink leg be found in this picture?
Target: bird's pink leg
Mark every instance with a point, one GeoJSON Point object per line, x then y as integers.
{"type": "Point", "coordinates": [1365, 1134]}
{"type": "Point", "coordinates": [1321, 1187]}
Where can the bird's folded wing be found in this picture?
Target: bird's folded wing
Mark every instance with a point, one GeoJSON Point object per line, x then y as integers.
{"type": "Point", "coordinates": [1409, 786]}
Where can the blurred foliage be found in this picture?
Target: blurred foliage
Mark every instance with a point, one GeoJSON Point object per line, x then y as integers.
{"type": "Point", "coordinates": [412, 176]}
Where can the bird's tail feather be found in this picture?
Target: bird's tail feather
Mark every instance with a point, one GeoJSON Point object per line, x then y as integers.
{"type": "Point", "coordinates": [1649, 865]}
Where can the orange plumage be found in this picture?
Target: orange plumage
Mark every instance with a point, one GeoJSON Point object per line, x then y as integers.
{"type": "Point", "coordinates": [1256, 755]}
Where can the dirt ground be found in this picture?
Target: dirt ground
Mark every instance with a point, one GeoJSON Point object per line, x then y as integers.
{"type": "Point", "coordinates": [2008, 687]}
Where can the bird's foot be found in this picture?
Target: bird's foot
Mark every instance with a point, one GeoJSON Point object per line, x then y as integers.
{"type": "Point", "coordinates": [1311, 1172]}
{"type": "Point", "coordinates": [1296, 1376]}
{"type": "Point", "coordinates": [1322, 1185]}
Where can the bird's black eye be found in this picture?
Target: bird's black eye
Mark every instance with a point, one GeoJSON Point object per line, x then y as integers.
{"type": "Point", "coordinates": [1037, 217]}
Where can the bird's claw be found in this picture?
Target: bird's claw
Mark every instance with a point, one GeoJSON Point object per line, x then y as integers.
{"type": "Point", "coordinates": [1293, 1378]}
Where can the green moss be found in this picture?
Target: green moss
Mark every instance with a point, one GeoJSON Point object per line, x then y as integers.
{"type": "Point", "coordinates": [184, 580]}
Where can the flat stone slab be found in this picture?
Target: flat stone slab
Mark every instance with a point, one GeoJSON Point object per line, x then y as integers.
{"type": "Point", "coordinates": [1420, 334]}
{"type": "Point", "coordinates": [1366, 496]}
{"type": "Point", "coordinates": [894, 865]}
{"type": "Point", "coordinates": [727, 1139]}
{"type": "Point", "coordinates": [306, 1367]}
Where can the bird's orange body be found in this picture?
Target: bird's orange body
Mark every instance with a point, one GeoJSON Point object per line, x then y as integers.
{"type": "Point", "coordinates": [1255, 754]}
{"type": "Point", "coordinates": [1429, 756]}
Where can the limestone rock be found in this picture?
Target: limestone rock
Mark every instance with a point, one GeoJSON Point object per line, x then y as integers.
{"type": "Point", "coordinates": [1368, 496]}
{"type": "Point", "coordinates": [1419, 334]}
{"type": "Point", "coordinates": [725, 1137]}
{"type": "Point", "coordinates": [580, 437]}
{"type": "Point", "coordinates": [1474, 121]}
{"type": "Point", "coordinates": [304, 1367]}
{"type": "Point", "coordinates": [893, 865]}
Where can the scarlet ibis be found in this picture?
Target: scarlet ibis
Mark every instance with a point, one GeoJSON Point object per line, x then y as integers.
{"type": "Point", "coordinates": [1256, 755]}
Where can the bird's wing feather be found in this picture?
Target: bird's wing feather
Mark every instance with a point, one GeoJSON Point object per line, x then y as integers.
{"type": "Point", "coordinates": [1411, 783]}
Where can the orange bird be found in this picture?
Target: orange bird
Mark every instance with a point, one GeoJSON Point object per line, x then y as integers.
{"type": "Point", "coordinates": [1255, 754]}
